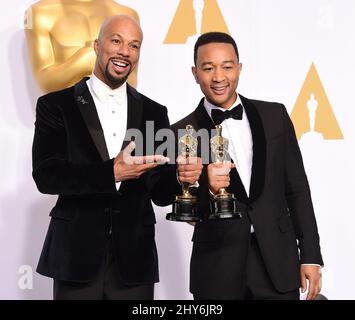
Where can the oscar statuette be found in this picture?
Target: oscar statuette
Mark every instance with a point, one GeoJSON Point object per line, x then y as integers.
{"type": "Point", "coordinates": [184, 206]}
{"type": "Point", "coordinates": [223, 204]}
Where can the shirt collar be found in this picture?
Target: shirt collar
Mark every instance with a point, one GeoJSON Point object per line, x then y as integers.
{"type": "Point", "coordinates": [102, 91]}
{"type": "Point", "coordinates": [210, 106]}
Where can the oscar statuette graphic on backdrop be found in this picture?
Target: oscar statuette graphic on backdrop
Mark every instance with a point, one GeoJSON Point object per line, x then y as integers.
{"type": "Point", "coordinates": [313, 115]}
{"type": "Point", "coordinates": [195, 17]}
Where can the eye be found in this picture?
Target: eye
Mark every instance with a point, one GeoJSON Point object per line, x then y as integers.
{"type": "Point", "coordinates": [134, 46]}
{"type": "Point", "coordinates": [207, 69]}
{"type": "Point", "coordinates": [115, 41]}
{"type": "Point", "coordinates": [228, 67]}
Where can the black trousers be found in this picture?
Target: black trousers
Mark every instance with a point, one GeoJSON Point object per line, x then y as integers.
{"type": "Point", "coordinates": [105, 286]}
{"type": "Point", "coordinates": [258, 285]}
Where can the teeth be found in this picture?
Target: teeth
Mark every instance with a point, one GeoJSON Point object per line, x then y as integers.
{"type": "Point", "coordinates": [120, 64]}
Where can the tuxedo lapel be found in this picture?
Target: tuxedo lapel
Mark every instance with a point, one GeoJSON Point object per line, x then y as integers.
{"type": "Point", "coordinates": [135, 108]}
{"type": "Point", "coordinates": [259, 149]}
{"type": "Point", "coordinates": [236, 186]}
{"type": "Point", "coordinates": [203, 120]}
{"type": "Point", "coordinates": [88, 110]}
{"type": "Point", "coordinates": [134, 112]}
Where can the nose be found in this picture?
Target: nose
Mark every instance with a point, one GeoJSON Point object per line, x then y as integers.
{"type": "Point", "coordinates": [218, 75]}
{"type": "Point", "coordinates": [123, 50]}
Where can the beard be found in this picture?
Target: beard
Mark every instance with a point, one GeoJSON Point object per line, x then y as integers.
{"type": "Point", "coordinates": [116, 81]}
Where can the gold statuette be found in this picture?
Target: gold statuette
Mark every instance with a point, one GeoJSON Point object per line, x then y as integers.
{"type": "Point", "coordinates": [184, 206]}
{"type": "Point", "coordinates": [223, 204]}
{"type": "Point", "coordinates": [60, 37]}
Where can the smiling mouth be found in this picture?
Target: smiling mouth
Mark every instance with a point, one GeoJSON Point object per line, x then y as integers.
{"type": "Point", "coordinates": [120, 65]}
{"type": "Point", "coordinates": [219, 90]}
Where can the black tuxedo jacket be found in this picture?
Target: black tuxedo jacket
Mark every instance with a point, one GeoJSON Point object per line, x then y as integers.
{"type": "Point", "coordinates": [279, 206]}
{"type": "Point", "coordinates": [70, 159]}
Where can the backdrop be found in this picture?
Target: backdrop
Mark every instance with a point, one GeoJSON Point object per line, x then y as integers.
{"type": "Point", "coordinates": [300, 53]}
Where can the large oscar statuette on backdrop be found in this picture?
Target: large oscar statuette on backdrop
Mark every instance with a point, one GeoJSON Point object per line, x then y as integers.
{"type": "Point", "coordinates": [223, 204]}
{"type": "Point", "coordinates": [184, 206]}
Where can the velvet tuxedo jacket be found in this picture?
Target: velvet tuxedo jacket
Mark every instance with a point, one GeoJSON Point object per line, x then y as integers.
{"type": "Point", "coordinates": [279, 206]}
{"type": "Point", "coordinates": [70, 159]}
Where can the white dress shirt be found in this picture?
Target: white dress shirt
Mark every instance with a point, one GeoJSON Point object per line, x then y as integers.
{"type": "Point", "coordinates": [111, 106]}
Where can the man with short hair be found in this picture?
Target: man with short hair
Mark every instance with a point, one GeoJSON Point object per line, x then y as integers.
{"type": "Point", "coordinates": [273, 250]}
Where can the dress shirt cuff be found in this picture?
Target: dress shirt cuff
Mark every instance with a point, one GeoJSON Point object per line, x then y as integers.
{"type": "Point", "coordinates": [312, 264]}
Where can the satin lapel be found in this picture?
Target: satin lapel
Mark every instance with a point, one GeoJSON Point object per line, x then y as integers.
{"type": "Point", "coordinates": [134, 112]}
{"type": "Point", "coordinates": [203, 120]}
{"type": "Point", "coordinates": [88, 110]}
{"type": "Point", "coordinates": [259, 149]}
{"type": "Point", "coordinates": [236, 186]}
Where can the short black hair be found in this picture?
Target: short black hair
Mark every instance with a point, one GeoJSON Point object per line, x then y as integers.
{"type": "Point", "coordinates": [210, 37]}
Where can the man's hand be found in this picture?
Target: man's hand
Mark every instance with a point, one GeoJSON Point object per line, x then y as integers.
{"type": "Point", "coordinates": [218, 175]}
{"type": "Point", "coordinates": [128, 167]}
{"type": "Point", "coordinates": [189, 169]}
{"type": "Point", "coordinates": [314, 276]}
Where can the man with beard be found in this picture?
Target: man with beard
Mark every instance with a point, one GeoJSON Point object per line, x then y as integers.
{"type": "Point", "coordinates": [100, 241]}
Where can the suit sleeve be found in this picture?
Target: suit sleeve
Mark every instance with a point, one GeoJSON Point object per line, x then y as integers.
{"type": "Point", "coordinates": [53, 171]}
{"type": "Point", "coordinates": [299, 200]}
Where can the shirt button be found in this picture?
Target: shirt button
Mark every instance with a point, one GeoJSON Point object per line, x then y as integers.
{"type": "Point", "coordinates": [114, 134]}
{"type": "Point", "coordinates": [113, 111]}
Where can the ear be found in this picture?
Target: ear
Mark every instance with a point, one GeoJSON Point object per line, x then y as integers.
{"type": "Point", "coordinates": [96, 46]}
{"type": "Point", "coordinates": [240, 67]}
{"type": "Point", "coordinates": [194, 72]}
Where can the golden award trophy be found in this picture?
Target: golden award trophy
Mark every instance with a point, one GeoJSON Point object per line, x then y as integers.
{"type": "Point", "coordinates": [184, 206]}
{"type": "Point", "coordinates": [223, 204]}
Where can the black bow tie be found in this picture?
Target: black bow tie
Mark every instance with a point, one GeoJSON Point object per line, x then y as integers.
{"type": "Point", "coordinates": [219, 116]}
